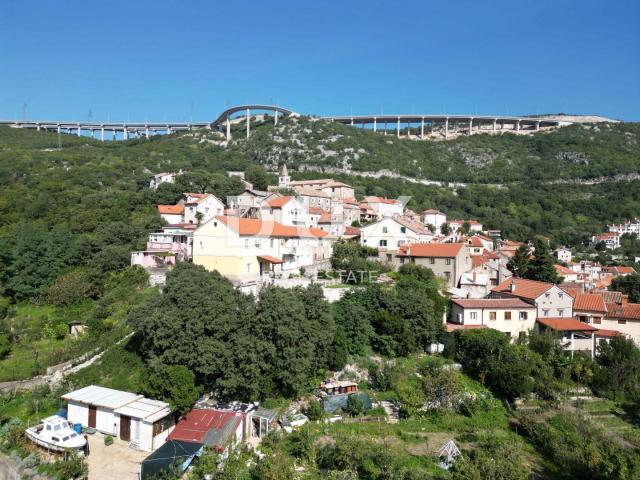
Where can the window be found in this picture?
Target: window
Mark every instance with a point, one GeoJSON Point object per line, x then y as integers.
{"type": "Point", "coordinates": [492, 315]}
{"type": "Point", "coordinates": [246, 243]}
{"type": "Point", "coordinates": [271, 243]}
{"type": "Point", "coordinates": [524, 315]}
{"type": "Point", "coordinates": [385, 230]}
{"type": "Point", "coordinates": [546, 295]}
{"type": "Point", "coordinates": [401, 260]}
{"type": "Point", "coordinates": [561, 295]}
{"type": "Point", "coordinates": [447, 276]}
{"type": "Point", "coordinates": [473, 315]}
{"type": "Point", "coordinates": [597, 320]}
{"type": "Point", "coordinates": [55, 439]}
{"type": "Point", "coordinates": [621, 321]}
{"type": "Point", "coordinates": [448, 261]}
{"type": "Point", "coordinates": [507, 315]}
{"type": "Point", "coordinates": [403, 229]}
{"type": "Point", "coordinates": [560, 312]}
{"type": "Point", "coordinates": [432, 260]}
{"type": "Point", "coordinates": [545, 313]}
{"type": "Point", "coordinates": [248, 268]}
{"type": "Point", "coordinates": [48, 427]}
{"type": "Point", "coordinates": [383, 243]}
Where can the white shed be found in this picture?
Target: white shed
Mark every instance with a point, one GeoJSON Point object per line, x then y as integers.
{"type": "Point", "coordinates": [125, 415]}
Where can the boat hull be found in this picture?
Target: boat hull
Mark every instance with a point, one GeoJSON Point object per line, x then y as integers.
{"type": "Point", "coordinates": [56, 447]}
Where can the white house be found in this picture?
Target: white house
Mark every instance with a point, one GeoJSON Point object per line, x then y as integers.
{"type": "Point", "coordinates": [433, 217]}
{"type": "Point", "coordinates": [203, 205]}
{"type": "Point", "coordinates": [156, 180]}
{"type": "Point", "coordinates": [391, 233]}
{"type": "Point", "coordinates": [287, 210]}
{"type": "Point", "coordinates": [563, 254]}
{"type": "Point", "coordinates": [172, 214]}
{"type": "Point", "coordinates": [131, 417]}
{"type": "Point", "coordinates": [550, 300]}
{"type": "Point", "coordinates": [384, 207]}
{"type": "Point", "coordinates": [311, 197]}
{"type": "Point", "coordinates": [512, 316]}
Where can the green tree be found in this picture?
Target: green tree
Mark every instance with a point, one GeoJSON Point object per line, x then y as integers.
{"type": "Point", "coordinates": [491, 460]}
{"type": "Point", "coordinates": [257, 175]}
{"type": "Point", "coordinates": [618, 369]}
{"type": "Point", "coordinates": [174, 384]}
{"type": "Point", "coordinates": [629, 285]}
{"type": "Point", "coordinates": [541, 267]}
{"type": "Point", "coordinates": [445, 229]}
{"type": "Point", "coordinates": [519, 263]}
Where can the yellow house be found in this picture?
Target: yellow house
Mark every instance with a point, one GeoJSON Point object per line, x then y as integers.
{"type": "Point", "coordinates": [246, 249]}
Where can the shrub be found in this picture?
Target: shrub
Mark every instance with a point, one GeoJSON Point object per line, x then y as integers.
{"type": "Point", "coordinates": [108, 440]}
{"type": "Point", "coordinates": [5, 346]}
{"type": "Point", "coordinates": [314, 410]}
{"type": "Point", "coordinates": [355, 406]}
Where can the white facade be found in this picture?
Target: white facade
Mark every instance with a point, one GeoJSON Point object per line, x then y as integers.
{"type": "Point", "coordinates": [156, 180]}
{"type": "Point", "coordinates": [207, 205]}
{"type": "Point", "coordinates": [384, 207]}
{"type": "Point", "coordinates": [516, 319]}
{"type": "Point", "coordinates": [564, 255]}
{"type": "Point", "coordinates": [390, 234]}
{"type": "Point", "coordinates": [110, 411]}
{"type": "Point", "coordinates": [285, 210]}
{"type": "Point", "coordinates": [433, 217]}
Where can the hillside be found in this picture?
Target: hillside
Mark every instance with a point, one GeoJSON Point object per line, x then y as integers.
{"type": "Point", "coordinates": [581, 151]}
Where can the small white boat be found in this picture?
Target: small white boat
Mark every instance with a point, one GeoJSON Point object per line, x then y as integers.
{"type": "Point", "coordinates": [55, 433]}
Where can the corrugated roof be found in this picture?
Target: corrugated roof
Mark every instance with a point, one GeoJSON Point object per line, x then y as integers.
{"type": "Point", "coordinates": [492, 303]}
{"type": "Point", "coordinates": [443, 250]}
{"type": "Point", "coordinates": [101, 397]}
{"type": "Point", "coordinates": [530, 289]}
{"type": "Point", "coordinates": [146, 409]}
{"type": "Point", "coordinates": [197, 426]}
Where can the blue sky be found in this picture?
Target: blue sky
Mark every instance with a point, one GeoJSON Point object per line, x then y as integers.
{"type": "Point", "coordinates": [168, 60]}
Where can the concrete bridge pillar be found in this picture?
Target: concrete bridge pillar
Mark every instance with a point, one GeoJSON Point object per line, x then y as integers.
{"type": "Point", "coordinates": [38, 126]}
{"type": "Point", "coordinates": [248, 122]}
{"type": "Point", "coordinates": [385, 127]}
{"type": "Point", "coordinates": [228, 129]}
{"type": "Point", "coordinates": [375, 124]}
{"type": "Point", "coordinates": [79, 130]}
{"type": "Point", "coordinates": [408, 129]}
{"type": "Point", "coordinates": [518, 126]}
{"type": "Point", "coordinates": [352, 122]}
{"type": "Point", "coordinates": [126, 133]}
{"type": "Point", "coordinates": [398, 128]}
{"type": "Point", "coordinates": [275, 118]}
{"type": "Point", "coordinates": [446, 128]}
{"type": "Point", "coordinates": [470, 126]}
{"type": "Point", "coordinates": [59, 129]}
{"type": "Point", "coordinates": [495, 124]}
{"type": "Point", "coordinates": [146, 131]}
{"type": "Point", "coordinates": [537, 126]}
{"type": "Point", "coordinates": [422, 129]}
{"type": "Point", "coordinates": [169, 131]}
{"type": "Point", "coordinates": [102, 133]}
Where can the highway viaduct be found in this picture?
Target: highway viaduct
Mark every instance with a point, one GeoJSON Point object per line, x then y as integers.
{"type": "Point", "coordinates": [443, 125]}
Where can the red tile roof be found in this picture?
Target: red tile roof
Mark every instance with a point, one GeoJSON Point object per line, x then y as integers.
{"type": "Point", "coordinates": [316, 210]}
{"type": "Point", "coordinates": [268, 228]}
{"type": "Point", "coordinates": [171, 209]}
{"type": "Point", "coordinates": [627, 311]}
{"type": "Point", "coordinates": [441, 250]}
{"type": "Point", "coordinates": [565, 324]}
{"type": "Point", "coordinates": [589, 302]}
{"type": "Point", "coordinates": [603, 332]}
{"type": "Point", "coordinates": [492, 303]}
{"type": "Point", "coordinates": [563, 271]}
{"type": "Point", "coordinates": [279, 202]}
{"type": "Point", "coordinates": [530, 289]}
{"type": "Point", "coordinates": [625, 269]}
{"type": "Point", "coordinates": [351, 231]}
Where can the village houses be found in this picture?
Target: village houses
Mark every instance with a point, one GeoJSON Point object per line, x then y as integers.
{"type": "Point", "coordinates": [511, 316]}
{"type": "Point", "coordinates": [391, 233]}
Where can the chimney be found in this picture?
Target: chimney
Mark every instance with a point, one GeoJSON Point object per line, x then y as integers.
{"type": "Point", "coordinates": [512, 287]}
